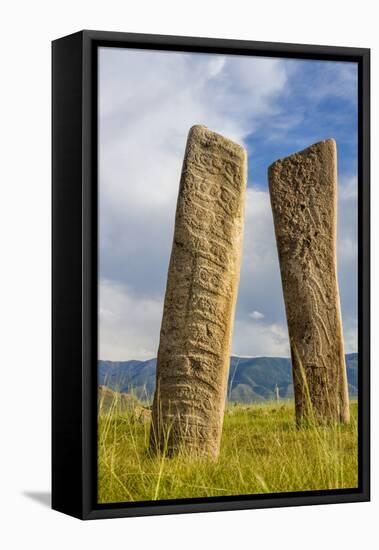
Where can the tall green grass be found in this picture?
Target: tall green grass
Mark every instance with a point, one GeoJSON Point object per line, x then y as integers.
{"type": "Point", "coordinates": [262, 451]}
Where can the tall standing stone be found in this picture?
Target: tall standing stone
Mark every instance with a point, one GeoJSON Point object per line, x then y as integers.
{"type": "Point", "coordinates": [303, 190]}
{"type": "Point", "coordinates": [203, 276]}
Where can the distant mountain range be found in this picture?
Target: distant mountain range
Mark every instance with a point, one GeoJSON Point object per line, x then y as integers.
{"type": "Point", "coordinates": [251, 379]}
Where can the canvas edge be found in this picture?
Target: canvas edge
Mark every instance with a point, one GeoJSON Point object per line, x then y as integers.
{"type": "Point", "coordinates": [83, 503]}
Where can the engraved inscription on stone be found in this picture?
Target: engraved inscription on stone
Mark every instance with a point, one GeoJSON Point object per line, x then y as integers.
{"type": "Point", "coordinates": [303, 191]}
{"type": "Point", "coordinates": [203, 277]}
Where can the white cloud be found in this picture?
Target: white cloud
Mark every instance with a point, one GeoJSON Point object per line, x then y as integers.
{"type": "Point", "coordinates": [260, 284]}
{"type": "Point", "coordinates": [254, 340]}
{"type": "Point", "coordinates": [256, 315]}
{"type": "Point", "coordinates": [128, 325]}
{"type": "Point", "coordinates": [350, 334]}
{"type": "Point", "coordinates": [347, 258]}
{"type": "Point", "coordinates": [348, 188]}
{"type": "Point", "coordinates": [347, 220]}
{"type": "Point", "coordinates": [336, 80]}
{"type": "Point", "coordinates": [148, 101]}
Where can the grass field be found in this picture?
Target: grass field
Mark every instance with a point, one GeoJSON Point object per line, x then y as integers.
{"type": "Point", "coordinates": [262, 451]}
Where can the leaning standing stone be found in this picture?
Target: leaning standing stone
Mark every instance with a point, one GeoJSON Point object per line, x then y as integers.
{"type": "Point", "coordinates": [203, 276]}
{"type": "Point", "coordinates": [303, 190]}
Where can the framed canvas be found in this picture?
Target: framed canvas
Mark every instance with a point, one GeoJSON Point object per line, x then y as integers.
{"type": "Point", "coordinates": [210, 275]}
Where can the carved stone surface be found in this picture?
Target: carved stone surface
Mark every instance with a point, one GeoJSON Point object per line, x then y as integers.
{"type": "Point", "coordinates": [303, 190]}
{"type": "Point", "coordinates": [203, 277]}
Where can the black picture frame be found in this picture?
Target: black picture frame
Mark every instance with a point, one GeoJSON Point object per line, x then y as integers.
{"type": "Point", "coordinates": [74, 272]}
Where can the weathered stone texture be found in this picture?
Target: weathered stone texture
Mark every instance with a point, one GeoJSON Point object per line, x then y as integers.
{"type": "Point", "coordinates": [203, 276]}
{"type": "Point", "coordinates": [303, 190]}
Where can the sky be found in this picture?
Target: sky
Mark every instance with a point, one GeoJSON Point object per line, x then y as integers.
{"type": "Point", "coordinates": [148, 100]}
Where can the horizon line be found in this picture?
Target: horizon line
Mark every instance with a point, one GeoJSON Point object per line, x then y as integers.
{"type": "Point", "coordinates": [231, 356]}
